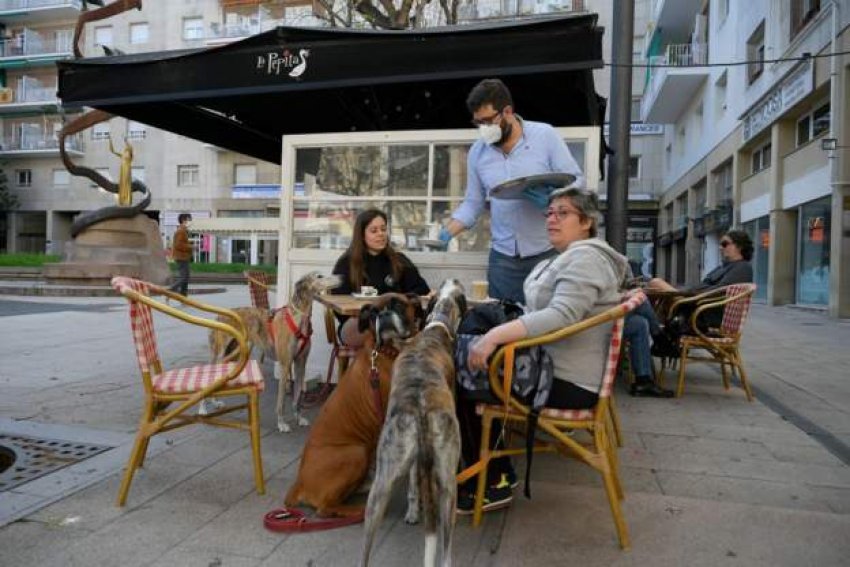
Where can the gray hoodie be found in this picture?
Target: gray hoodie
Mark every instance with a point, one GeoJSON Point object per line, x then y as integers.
{"type": "Point", "coordinates": [580, 282]}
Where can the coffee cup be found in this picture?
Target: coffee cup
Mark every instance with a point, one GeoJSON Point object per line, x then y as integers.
{"type": "Point", "coordinates": [368, 291]}
{"type": "Point", "coordinates": [479, 290]}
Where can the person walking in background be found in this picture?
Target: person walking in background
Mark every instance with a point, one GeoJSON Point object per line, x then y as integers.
{"type": "Point", "coordinates": [509, 147]}
{"type": "Point", "coordinates": [181, 252]}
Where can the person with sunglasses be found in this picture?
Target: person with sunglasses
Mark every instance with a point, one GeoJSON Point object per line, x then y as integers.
{"type": "Point", "coordinates": [509, 148]}
{"type": "Point", "coordinates": [736, 249]}
{"type": "Point", "coordinates": [582, 279]}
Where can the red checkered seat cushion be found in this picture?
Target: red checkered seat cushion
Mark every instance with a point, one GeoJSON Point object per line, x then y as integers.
{"type": "Point", "coordinates": [192, 379]}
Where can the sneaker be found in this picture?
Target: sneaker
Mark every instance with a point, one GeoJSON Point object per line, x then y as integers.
{"type": "Point", "coordinates": [495, 498]}
{"type": "Point", "coordinates": [511, 478]}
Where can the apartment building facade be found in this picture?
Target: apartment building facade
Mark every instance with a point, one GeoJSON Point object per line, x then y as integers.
{"type": "Point", "coordinates": [227, 192]}
{"type": "Point", "coordinates": [753, 95]}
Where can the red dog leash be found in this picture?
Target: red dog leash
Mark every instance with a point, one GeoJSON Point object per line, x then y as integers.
{"type": "Point", "coordinates": [291, 520]}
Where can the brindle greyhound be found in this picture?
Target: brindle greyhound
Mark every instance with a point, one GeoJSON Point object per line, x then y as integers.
{"type": "Point", "coordinates": [421, 433]}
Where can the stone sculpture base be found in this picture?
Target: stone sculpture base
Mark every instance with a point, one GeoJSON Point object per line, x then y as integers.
{"type": "Point", "coordinates": [116, 247]}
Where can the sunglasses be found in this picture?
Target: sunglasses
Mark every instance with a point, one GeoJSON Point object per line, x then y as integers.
{"type": "Point", "coordinates": [725, 243]}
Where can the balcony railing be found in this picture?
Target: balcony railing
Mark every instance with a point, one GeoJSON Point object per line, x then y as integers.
{"type": "Point", "coordinates": [33, 44]}
{"type": "Point", "coordinates": [675, 55]}
{"type": "Point", "coordinates": [38, 143]}
{"type": "Point", "coordinates": [10, 5]}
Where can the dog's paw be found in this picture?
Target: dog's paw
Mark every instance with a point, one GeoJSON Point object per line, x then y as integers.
{"type": "Point", "coordinates": [303, 421]}
{"type": "Point", "coordinates": [412, 515]}
{"type": "Point", "coordinates": [283, 427]}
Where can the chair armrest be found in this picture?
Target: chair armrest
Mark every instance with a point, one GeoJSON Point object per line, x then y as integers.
{"type": "Point", "coordinates": [504, 356]}
{"type": "Point", "coordinates": [684, 300]}
{"type": "Point", "coordinates": [222, 311]}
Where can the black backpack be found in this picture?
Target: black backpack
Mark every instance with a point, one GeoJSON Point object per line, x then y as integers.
{"type": "Point", "coordinates": [533, 368]}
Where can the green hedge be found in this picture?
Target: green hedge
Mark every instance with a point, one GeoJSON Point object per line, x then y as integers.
{"type": "Point", "coordinates": [27, 259]}
{"type": "Point", "coordinates": [227, 268]}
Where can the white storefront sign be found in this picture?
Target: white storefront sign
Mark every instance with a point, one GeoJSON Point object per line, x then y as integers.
{"type": "Point", "coordinates": [641, 129]}
{"type": "Point", "coordinates": [796, 85]}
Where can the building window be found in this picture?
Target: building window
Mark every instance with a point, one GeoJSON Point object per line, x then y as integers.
{"type": "Point", "coordinates": [634, 167]}
{"type": "Point", "coordinates": [135, 130]}
{"type": "Point", "coordinates": [802, 12]}
{"type": "Point", "coordinates": [245, 174]}
{"type": "Point", "coordinates": [139, 33]}
{"type": "Point", "coordinates": [813, 124]}
{"type": "Point", "coordinates": [761, 158]}
{"type": "Point", "coordinates": [723, 182]}
{"type": "Point", "coordinates": [61, 177]}
{"type": "Point", "coordinates": [100, 131]}
{"type": "Point", "coordinates": [138, 172]}
{"type": "Point", "coordinates": [23, 177]}
{"type": "Point", "coordinates": [103, 35]}
{"type": "Point", "coordinates": [755, 54]}
{"type": "Point", "coordinates": [187, 175]}
{"type": "Point", "coordinates": [193, 28]}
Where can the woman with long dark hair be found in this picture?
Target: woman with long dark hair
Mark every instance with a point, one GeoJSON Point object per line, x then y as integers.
{"type": "Point", "coordinates": [372, 261]}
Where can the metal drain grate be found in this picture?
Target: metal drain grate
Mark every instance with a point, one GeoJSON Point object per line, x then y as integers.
{"type": "Point", "coordinates": [35, 457]}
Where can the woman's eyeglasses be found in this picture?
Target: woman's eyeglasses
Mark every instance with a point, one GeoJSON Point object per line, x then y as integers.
{"type": "Point", "coordinates": [560, 214]}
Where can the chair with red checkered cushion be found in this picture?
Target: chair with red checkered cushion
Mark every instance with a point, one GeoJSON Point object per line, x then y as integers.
{"type": "Point", "coordinates": [171, 394]}
{"type": "Point", "coordinates": [722, 345]}
{"type": "Point", "coordinates": [559, 424]}
{"type": "Point", "coordinates": [258, 287]}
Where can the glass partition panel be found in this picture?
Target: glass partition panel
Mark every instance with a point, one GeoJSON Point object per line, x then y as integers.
{"type": "Point", "coordinates": [363, 171]}
{"type": "Point", "coordinates": [450, 170]}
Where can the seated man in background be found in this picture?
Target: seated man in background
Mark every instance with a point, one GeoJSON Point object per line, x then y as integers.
{"type": "Point", "coordinates": [736, 249]}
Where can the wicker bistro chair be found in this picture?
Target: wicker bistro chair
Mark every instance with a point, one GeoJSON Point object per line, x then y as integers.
{"type": "Point", "coordinates": [722, 345]}
{"type": "Point", "coordinates": [170, 394]}
{"type": "Point", "coordinates": [258, 287]}
{"type": "Point", "coordinates": [598, 421]}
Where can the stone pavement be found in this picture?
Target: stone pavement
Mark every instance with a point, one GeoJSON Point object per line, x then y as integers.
{"type": "Point", "coordinates": [710, 479]}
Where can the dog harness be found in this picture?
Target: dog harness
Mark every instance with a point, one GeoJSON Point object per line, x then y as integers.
{"type": "Point", "coordinates": [302, 332]}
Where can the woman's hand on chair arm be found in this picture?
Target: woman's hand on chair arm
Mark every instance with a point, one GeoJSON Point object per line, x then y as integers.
{"type": "Point", "coordinates": [481, 350]}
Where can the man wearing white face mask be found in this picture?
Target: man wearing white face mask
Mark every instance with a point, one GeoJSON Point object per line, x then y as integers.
{"type": "Point", "coordinates": [509, 147]}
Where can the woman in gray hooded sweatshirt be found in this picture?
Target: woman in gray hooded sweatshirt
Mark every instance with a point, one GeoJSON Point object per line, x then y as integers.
{"type": "Point", "coordinates": [583, 280]}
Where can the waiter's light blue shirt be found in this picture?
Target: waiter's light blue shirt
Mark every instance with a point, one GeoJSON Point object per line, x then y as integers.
{"type": "Point", "coordinates": [517, 226]}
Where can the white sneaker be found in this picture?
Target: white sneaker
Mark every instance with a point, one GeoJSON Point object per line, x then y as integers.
{"type": "Point", "coordinates": [209, 405]}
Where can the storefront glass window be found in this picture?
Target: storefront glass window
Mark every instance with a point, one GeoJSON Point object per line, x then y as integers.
{"type": "Point", "coordinates": [814, 245]}
{"type": "Point", "coordinates": [759, 232]}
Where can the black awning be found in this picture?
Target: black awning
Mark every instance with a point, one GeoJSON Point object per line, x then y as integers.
{"type": "Point", "coordinates": [244, 96]}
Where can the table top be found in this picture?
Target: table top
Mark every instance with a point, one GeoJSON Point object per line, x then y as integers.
{"type": "Point", "coordinates": [350, 305]}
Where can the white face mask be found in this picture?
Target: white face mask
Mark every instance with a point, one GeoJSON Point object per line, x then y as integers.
{"type": "Point", "coordinates": [490, 133]}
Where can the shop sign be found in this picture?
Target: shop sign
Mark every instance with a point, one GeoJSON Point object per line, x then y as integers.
{"type": "Point", "coordinates": [789, 92]}
{"type": "Point", "coordinates": [641, 129]}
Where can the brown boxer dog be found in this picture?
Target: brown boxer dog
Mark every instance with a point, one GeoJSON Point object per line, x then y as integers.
{"type": "Point", "coordinates": [342, 441]}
